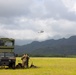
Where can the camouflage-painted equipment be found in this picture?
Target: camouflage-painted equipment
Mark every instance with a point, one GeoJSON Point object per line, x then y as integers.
{"type": "Point", "coordinates": [7, 55]}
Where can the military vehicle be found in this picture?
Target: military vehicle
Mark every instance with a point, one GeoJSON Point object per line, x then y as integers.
{"type": "Point", "coordinates": [7, 55]}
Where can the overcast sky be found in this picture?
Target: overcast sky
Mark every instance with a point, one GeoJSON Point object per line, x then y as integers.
{"type": "Point", "coordinates": [25, 19]}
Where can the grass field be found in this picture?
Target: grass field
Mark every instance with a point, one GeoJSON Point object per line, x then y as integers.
{"type": "Point", "coordinates": [46, 66]}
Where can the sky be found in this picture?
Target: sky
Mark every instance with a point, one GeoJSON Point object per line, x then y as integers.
{"type": "Point", "coordinates": [25, 19]}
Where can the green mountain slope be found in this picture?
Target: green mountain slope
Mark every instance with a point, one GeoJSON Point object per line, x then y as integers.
{"type": "Point", "coordinates": [61, 47]}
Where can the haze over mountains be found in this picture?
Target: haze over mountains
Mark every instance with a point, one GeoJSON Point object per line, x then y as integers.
{"type": "Point", "coordinates": [60, 47]}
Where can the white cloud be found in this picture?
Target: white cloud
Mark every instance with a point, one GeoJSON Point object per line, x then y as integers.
{"type": "Point", "coordinates": [70, 4]}
{"type": "Point", "coordinates": [23, 19]}
{"type": "Point", "coordinates": [51, 28]}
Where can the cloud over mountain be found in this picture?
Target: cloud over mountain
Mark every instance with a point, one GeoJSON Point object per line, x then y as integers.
{"type": "Point", "coordinates": [23, 19]}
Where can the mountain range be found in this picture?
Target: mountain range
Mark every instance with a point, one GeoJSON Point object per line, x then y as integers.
{"type": "Point", "coordinates": [60, 47]}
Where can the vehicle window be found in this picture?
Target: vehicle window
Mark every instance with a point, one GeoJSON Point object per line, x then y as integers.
{"type": "Point", "coordinates": [1, 54]}
{"type": "Point", "coordinates": [9, 55]}
{"type": "Point", "coordinates": [1, 43]}
{"type": "Point", "coordinates": [8, 43]}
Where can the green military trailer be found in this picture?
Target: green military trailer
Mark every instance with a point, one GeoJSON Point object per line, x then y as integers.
{"type": "Point", "coordinates": [7, 55]}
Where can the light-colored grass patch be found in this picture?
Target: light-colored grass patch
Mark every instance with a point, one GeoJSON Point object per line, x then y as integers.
{"type": "Point", "coordinates": [47, 66]}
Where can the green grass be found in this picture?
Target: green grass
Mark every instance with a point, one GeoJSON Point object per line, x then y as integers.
{"type": "Point", "coordinates": [46, 66]}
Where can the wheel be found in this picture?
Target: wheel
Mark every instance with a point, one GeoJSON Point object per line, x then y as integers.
{"type": "Point", "coordinates": [13, 65]}
{"type": "Point", "coordinates": [10, 65]}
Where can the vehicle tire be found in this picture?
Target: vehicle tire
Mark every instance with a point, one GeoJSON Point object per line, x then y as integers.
{"type": "Point", "coordinates": [10, 65]}
{"type": "Point", "coordinates": [13, 65]}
